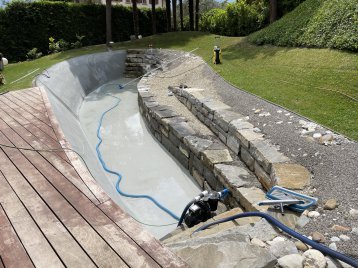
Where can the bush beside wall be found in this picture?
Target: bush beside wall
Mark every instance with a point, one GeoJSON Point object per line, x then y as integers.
{"type": "Point", "coordinates": [24, 26]}
{"type": "Point", "coordinates": [315, 23]}
{"type": "Point", "coordinates": [240, 18]}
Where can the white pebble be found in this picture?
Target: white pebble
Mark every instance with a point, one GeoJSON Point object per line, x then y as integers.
{"type": "Point", "coordinates": [335, 239]}
{"type": "Point", "coordinates": [313, 214]}
{"type": "Point", "coordinates": [344, 237]}
{"type": "Point", "coordinates": [317, 135]}
{"type": "Point", "coordinates": [279, 122]}
{"type": "Point", "coordinates": [333, 246]}
{"type": "Point", "coordinates": [279, 111]}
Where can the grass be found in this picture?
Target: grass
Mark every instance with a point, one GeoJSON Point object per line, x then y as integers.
{"type": "Point", "coordinates": [311, 82]}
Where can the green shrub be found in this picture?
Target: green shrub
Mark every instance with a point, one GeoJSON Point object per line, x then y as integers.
{"type": "Point", "coordinates": [33, 54]}
{"type": "Point", "coordinates": [315, 23]}
{"type": "Point", "coordinates": [214, 21]}
{"type": "Point", "coordinates": [240, 18]}
{"type": "Point", "coordinates": [24, 26]}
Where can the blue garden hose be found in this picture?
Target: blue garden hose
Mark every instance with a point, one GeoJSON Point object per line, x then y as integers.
{"type": "Point", "coordinates": [272, 220]}
{"type": "Point", "coordinates": [119, 176]}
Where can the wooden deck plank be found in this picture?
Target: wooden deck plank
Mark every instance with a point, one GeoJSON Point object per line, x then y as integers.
{"type": "Point", "coordinates": [39, 141]}
{"type": "Point", "coordinates": [66, 247]}
{"type": "Point", "coordinates": [32, 95]}
{"type": "Point", "coordinates": [22, 110]}
{"type": "Point", "coordinates": [12, 252]}
{"type": "Point", "coordinates": [52, 162]}
{"type": "Point", "coordinates": [114, 236]}
{"type": "Point", "coordinates": [31, 236]}
{"type": "Point", "coordinates": [75, 160]}
{"type": "Point", "coordinates": [24, 94]}
{"type": "Point", "coordinates": [20, 103]}
{"type": "Point", "coordinates": [152, 246]}
{"type": "Point", "coordinates": [35, 90]}
{"type": "Point", "coordinates": [16, 94]}
{"type": "Point", "coordinates": [29, 117]}
{"type": "Point", "coordinates": [85, 235]}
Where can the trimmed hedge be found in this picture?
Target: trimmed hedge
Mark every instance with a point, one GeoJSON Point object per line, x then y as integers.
{"type": "Point", "coordinates": [315, 23]}
{"type": "Point", "coordinates": [240, 18]}
{"type": "Point", "coordinates": [24, 26]}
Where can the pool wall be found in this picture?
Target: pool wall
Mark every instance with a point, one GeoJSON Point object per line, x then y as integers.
{"type": "Point", "coordinates": [67, 84]}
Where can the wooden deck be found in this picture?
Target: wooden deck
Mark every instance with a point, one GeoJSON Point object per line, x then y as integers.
{"type": "Point", "coordinates": [52, 212]}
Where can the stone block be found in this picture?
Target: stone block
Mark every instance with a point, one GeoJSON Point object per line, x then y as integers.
{"type": "Point", "coordinates": [184, 150]}
{"type": "Point", "coordinates": [233, 143]}
{"type": "Point", "coordinates": [224, 117]}
{"type": "Point", "coordinates": [214, 105]}
{"type": "Point", "coordinates": [197, 164]}
{"type": "Point", "coordinates": [248, 135]}
{"type": "Point", "coordinates": [233, 177]}
{"type": "Point", "coordinates": [172, 120]}
{"type": "Point", "coordinates": [145, 94]}
{"type": "Point", "coordinates": [214, 183]}
{"type": "Point", "coordinates": [249, 197]}
{"type": "Point", "coordinates": [239, 124]}
{"type": "Point", "coordinates": [212, 157]}
{"type": "Point", "coordinates": [198, 177]}
{"type": "Point", "coordinates": [160, 114]}
{"type": "Point", "coordinates": [196, 144]}
{"type": "Point", "coordinates": [291, 176]}
{"type": "Point", "coordinates": [265, 154]}
{"type": "Point", "coordinates": [247, 158]}
{"type": "Point", "coordinates": [263, 177]}
{"type": "Point", "coordinates": [174, 139]}
{"type": "Point", "coordinates": [182, 130]}
{"type": "Point", "coordinates": [183, 160]}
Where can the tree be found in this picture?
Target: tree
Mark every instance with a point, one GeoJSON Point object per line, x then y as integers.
{"type": "Point", "coordinates": [273, 10]}
{"type": "Point", "coordinates": [108, 21]}
{"type": "Point", "coordinates": [135, 18]}
{"type": "Point", "coordinates": [174, 7]}
{"type": "Point", "coordinates": [169, 17]}
{"type": "Point", "coordinates": [191, 15]}
{"type": "Point", "coordinates": [197, 15]}
{"type": "Point", "coordinates": [181, 15]}
{"type": "Point", "coordinates": [154, 19]}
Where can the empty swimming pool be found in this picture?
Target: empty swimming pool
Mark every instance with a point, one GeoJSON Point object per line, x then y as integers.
{"type": "Point", "coordinates": [80, 90]}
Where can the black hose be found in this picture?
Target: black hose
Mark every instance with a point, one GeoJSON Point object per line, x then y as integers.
{"type": "Point", "coordinates": [272, 220]}
{"type": "Point", "coordinates": [185, 210]}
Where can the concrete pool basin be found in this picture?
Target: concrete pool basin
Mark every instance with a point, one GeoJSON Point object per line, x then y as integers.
{"type": "Point", "coordinates": [78, 92]}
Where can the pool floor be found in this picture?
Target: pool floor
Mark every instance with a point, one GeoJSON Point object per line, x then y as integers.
{"type": "Point", "coordinates": [129, 148]}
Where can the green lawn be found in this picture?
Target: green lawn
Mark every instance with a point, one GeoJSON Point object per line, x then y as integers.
{"type": "Point", "coordinates": [307, 81]}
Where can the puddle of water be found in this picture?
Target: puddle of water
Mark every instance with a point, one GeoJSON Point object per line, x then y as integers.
{"type": "Point", "coordinates": [129, 147]}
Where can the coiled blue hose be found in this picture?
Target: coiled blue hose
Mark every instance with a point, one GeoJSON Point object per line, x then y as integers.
{"type": "Point", "coordinates": [119, 176]}
{"type": "Point", "coordinates": [272, 220]}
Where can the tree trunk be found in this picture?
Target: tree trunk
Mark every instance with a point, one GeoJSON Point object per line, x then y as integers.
{"type": "Point", "coordinates": [108, 21]}
{"type": "Point", "coordinates": [181, 15]}
{"type": "Point", "coordinates": [174, 7]}
{"type": "Point", "coordinates": [154, 19]}
{"type": "Point", "coordinates": [135, 18]}
{"type": "Point", "coordinates": [273, 10]}
{"type": "Point", "coordinates": [169, 17]}
{"type": "Point", "coordinates": [191, 15]}
{"type": "Point", "coordinates": [197, 15]}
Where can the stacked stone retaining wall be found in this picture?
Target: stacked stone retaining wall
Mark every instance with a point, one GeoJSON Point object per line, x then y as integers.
{"type": "Point", "coordinates": [214, 161]}
{"type": "Point", "coordinates": [270, 166]}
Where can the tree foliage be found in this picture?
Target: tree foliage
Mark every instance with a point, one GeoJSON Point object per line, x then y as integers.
{"type": "Point", "coordinates": [25, 26]}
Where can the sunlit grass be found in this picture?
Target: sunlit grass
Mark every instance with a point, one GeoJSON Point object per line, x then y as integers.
{"type": "Point", "coordinates": [311, 82]}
